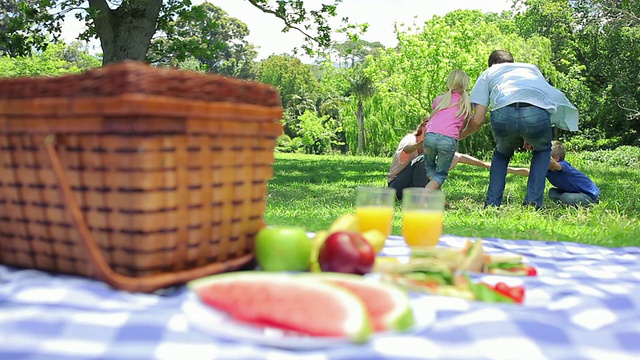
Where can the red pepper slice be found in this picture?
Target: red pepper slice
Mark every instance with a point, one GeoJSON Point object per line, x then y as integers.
{"type": "Point", "coordinates": [514, 292]}
{"type": "Point", "coordinates": [502, 288]}
{"type": "Point", "coordinates": [517, 294]}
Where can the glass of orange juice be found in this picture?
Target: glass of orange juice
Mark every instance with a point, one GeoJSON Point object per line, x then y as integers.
{"type": "Point", "coordinates": [374, 208]}
{"type": "Point", "coordinates": [422, 216]}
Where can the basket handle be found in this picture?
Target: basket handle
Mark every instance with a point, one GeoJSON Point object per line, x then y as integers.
{"type": "Point", "coordinates": [147, 283]}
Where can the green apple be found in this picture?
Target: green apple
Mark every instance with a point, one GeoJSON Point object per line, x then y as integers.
{"type": "Point", "coordinates": [283, 248]}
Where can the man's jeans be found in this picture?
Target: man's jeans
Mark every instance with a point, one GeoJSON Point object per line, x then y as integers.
{"type": "Point", "coordinates": [511, 125]}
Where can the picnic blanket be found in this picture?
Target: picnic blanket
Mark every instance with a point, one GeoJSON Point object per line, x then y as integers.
{"type": "Point", "coordinates": [584, 304]}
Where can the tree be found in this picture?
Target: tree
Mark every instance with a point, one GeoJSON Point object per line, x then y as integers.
{"type": "Point", "coordinates": [125, 27]}
{"type": "Point", "coordinates": [553, 19]}
{"type": "Point", "coordinates": [295, 16]}
{"type": "Point", "coordinates": [56, 60]}
{"type": "Point", "coordinates": [351, 57]}
{"type": "Point", "coordinates": [206, 33]}
{"type": "Point", "coordinates": [332, 98]}
{"type": "Point", "coordinates": [349, 53]}
{"type": "Point", "coordinates": [595, 47]}
{"type": "Point", "coordinates": [76, 55]}
{"type": "Point", "coordinates": [19, 26]}
{"type": "Point", "coordinates": [318, 133]}
{"type": "Point", "coordinates": [609, 43]}
{"type": "Point", "coordinates": [362, 87]}
{"type": "Point", "coordinates": [296, 83]}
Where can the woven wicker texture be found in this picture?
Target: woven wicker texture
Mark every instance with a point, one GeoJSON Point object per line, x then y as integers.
{"type": "Point", "coordinates": [134, 78]}
{"type": "Point", "coordinates": [168, 168]}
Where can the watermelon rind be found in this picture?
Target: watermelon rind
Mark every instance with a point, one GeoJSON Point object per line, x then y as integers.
{"type": "Point", "coordinates": [401, 318]}
{"type": "Point", "coordinates": [357, 328]}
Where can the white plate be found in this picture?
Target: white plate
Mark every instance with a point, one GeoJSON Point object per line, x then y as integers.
{"type": "Point", "coordinates": [222, 325]}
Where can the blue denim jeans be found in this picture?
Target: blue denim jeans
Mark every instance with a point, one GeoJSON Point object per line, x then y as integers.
{"type": "Point", "coordinates": [569, 198]}
{"type": "Point", "coordinates": [438, 155]}
{"type": "Point", "coordinates": [512, 125]}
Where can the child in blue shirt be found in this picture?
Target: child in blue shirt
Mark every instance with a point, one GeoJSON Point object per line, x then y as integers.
{"type": "Point", "coordinates": [570, 186]}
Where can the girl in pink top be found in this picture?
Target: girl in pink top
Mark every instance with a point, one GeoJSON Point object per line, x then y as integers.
{"type": "Point", "coordinates": [451, 112]}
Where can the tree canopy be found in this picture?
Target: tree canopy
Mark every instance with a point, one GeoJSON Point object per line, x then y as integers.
{"type": "Point", "coordinates": [20, 26]}
{"type": "Point", "coordinates": [125, 28]}
{"type": "Point", "coordinates": [208, 34]}
{"type": "Point", "coordinates": [57, 59]}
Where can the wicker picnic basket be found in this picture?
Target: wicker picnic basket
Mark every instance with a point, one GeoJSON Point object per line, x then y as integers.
{"type": "Point", "coordinates": [139, 176]}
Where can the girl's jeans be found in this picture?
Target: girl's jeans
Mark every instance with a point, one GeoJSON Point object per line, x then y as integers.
{"type": "Point", "coordinates": [438, 155]}
{"type": "Point", "coordinates": [511, 125]}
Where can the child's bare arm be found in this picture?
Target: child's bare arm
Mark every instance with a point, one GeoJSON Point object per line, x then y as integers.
{"type": "Point", "coordinates": [554, 165]}
{"type": "Point", "coordinates": [411, 148]}
{"type": "Point", "coordinates": [518, 171]}
{"type": "Point", "coordinates": [468, 159]}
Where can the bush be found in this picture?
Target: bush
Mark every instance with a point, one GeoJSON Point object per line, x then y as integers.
{"type": "Point", "coordinates": [318, 133]}
{"type": "Point", "coordinates": [285, 144]}
{"type": "Point", "coordinates": [623, 156]}
{"type": "Point", "coordinates": [591, 140]}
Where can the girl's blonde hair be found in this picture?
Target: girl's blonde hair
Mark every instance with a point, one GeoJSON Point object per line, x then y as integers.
{"type": "Point", "coordinates": [457, 81]}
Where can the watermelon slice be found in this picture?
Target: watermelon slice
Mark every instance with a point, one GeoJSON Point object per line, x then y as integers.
{"type": "Point", "coordinates": [388, 306]}
{"type": "Point", "coordinates": [284, 301]}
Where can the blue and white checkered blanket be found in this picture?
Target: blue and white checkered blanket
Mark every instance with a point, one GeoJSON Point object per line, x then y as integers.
{"type": "Point", "coordinates": [584, 304]}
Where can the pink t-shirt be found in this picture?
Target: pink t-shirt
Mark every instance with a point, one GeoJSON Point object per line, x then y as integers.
{"type": "Point", "coordinates": [445, 121]}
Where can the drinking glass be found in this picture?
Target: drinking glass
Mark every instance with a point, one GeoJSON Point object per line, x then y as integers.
{"type": "Point", "coordinates": [422, 216]}
{"type": "Point", "coordinates": [374, 208]}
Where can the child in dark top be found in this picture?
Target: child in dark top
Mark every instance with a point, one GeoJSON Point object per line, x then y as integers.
{"type": "Point", "coordinates": [570, 186]}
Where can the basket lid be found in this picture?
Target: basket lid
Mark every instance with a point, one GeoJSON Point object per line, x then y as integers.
{"type": "Point", "coordinates": [134, 77]}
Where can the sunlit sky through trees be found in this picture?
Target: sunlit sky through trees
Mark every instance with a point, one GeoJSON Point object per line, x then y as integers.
{"type": "Point", "coordinates": [379, 14]}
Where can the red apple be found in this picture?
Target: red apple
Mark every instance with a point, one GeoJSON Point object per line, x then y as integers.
{"type": "Point", "coordinates": [346, 252]}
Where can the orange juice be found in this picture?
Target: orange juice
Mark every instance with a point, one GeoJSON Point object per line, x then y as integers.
{"type": "Point", "coordinates": [375, 217]}
{"type": "Point", "coordinates": [421, 227]}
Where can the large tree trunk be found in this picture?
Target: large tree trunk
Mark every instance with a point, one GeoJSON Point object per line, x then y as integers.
{"type": "Point", "coordinates": [125, 32]}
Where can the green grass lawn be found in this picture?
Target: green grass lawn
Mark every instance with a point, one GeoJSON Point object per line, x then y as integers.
{"type": "Point", "coordinates": [311, 191]}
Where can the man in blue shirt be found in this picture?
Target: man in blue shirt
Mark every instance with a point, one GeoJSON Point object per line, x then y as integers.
{"type": "Point", "coordinates": [524, 106]}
